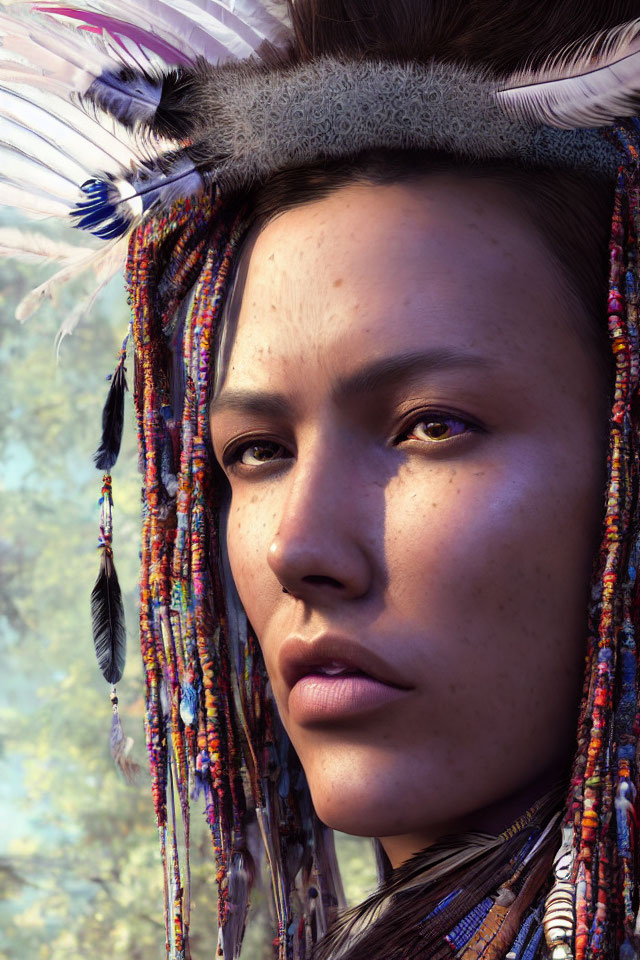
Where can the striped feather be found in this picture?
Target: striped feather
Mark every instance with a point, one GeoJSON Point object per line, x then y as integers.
{"type": "Point", "coordinates": [588, 88]}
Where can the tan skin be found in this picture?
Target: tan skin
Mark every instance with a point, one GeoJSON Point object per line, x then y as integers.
{"type": "Point", "coordinates": [446, 518]}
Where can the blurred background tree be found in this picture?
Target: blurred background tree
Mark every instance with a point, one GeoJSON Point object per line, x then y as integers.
{"type": "Point", "coordinates": [80, 873]}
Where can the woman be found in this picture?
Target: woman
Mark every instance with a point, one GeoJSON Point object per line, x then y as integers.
{"type": "Point", "coordinates": [398, 356]}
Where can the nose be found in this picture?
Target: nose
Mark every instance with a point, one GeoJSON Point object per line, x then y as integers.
{"type": "Point", "coordinates": [323, 550]}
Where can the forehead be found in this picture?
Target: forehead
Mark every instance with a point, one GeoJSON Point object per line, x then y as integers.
{"type": "Point", "coordinates": [446, 262]}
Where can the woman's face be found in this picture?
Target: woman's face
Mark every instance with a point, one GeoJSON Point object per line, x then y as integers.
{"type": "Point", "coordinates": [415, 440]}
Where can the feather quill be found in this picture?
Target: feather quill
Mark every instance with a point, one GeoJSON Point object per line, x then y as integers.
{"type": "Point", "coordinates": [588, 88]}
{"type": "Point", "coordinates": [107, 619]}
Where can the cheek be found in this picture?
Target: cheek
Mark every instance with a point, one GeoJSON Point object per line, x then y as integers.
{"type": "Point", "coordinates": [249, 533]}
{"type": "Point", "coordinates": [495, 563]}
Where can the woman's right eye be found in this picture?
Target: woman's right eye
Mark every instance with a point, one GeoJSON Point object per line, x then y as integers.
{"type": "Point", "coordinates": [255, 454]}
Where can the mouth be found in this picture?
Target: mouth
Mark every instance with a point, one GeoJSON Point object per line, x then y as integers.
{"type": "Point", "coordinates": [333, 676]}
{"type": "Point", "coordinates": [331, 656]}
{"type": "Point", "coordinates": [321, 697]}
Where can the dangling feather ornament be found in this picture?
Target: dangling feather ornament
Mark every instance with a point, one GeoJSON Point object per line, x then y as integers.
{"type": "Point", "coordinates": [121, 745]}
{"type": "Point", "coordinates": [588, 88]}
{"type": "Point", "coordinates": [113, 417]}
{"type": "Point", "coordinates": [107, 609]}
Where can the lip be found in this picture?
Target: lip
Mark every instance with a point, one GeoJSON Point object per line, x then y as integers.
{"type": "Point", "coordinates": [316, 697]}
{"type": "Point", "coordinates": [299, 658]}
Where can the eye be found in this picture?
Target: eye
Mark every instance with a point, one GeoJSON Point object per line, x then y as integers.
{"type": "Point", "coordinates": [435, 428]}
{"type": "Point", "coordinates": [253, 454]}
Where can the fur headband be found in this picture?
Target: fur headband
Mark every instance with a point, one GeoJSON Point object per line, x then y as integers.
{"type": "Point", "coordinates": [247, 122]}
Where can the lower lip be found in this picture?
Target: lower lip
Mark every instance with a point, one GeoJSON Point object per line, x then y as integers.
{"type": "Point", "coordinates": [321, 697]}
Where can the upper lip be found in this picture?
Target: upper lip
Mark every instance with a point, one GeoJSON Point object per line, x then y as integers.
{"type": "Point", "coordinates": [299, 657]}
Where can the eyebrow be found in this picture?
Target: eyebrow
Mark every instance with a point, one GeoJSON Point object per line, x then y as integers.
{"type": "Point", "coordinates": [377, 375]}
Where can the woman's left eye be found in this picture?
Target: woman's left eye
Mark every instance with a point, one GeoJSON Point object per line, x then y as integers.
{"type": "Point", "coordinates": [432, 428]}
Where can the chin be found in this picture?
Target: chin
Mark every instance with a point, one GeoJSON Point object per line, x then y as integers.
{"type": "Point", "coordinates": [362, 802]}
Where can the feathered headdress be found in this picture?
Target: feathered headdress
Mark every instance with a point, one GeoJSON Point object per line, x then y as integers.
{"type": "Point", "coordinates": [143, 125]}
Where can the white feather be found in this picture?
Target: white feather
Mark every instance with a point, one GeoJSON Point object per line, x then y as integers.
{"type": "Point", "coordinates": [49, 143]}
{"type": "Point", "coordinates": [587, 88]}
{"type": "Point", "coordinates": [26, 172]}
{"type": "Point", "coordinates": [218, 30]}
{"type": "Point", "coordinates": [269, 17]}
{"type": "Point", "coordinates": [252, 21]}
{"type": "Point", "coordinates": [36, 248]}
{"type": "Point", "coordinates": [105, 264]}
{"type": "Point", "coordinates": [101, 133]}
{"type": "Point", "coordinates": [216, 35]}
{"type": "Point", "coordinates": [248, 19]}
{"type": "Point", "coordinates": [181, 24]}
{"type": "Point", "coordinates": [35, 206]}
{"type": "Point", "coordinates": [55, 48]}
{"type": "Point", "coordinates": [57, 157]}
{"type": "Point", "coordinates": [111, 262]}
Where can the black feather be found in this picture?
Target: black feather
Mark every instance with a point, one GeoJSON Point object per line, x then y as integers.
{"type": "Point", "coordinates": [112, 421]}
{"type": "Point", "coordinates": [107, 620]}
{"type": "Point", "coordinates": [176, 114]}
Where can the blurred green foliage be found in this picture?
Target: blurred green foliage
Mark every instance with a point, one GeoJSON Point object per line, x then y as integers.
{"type": "Point", "coordinates": [80, 872]}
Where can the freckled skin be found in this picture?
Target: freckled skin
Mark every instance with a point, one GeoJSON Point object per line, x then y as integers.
{"type": "Point", "coordinates": [466, 563]}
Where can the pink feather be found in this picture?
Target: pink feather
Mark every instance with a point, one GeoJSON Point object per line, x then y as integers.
{"type": "Point", "coordinates": [120, 28]}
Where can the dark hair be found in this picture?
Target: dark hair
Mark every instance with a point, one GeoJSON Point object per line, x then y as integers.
{"type": "Point", "coordinates": [571, 209]}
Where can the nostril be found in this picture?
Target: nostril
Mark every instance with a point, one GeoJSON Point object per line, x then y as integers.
{"type": "Point", "coordinates": [320, 580]}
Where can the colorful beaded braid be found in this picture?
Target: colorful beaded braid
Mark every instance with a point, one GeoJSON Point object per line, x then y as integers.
{"type": "Point", "coordinates": [592, 907]}
{"type": "Point", "coordinates": [211, 726]}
